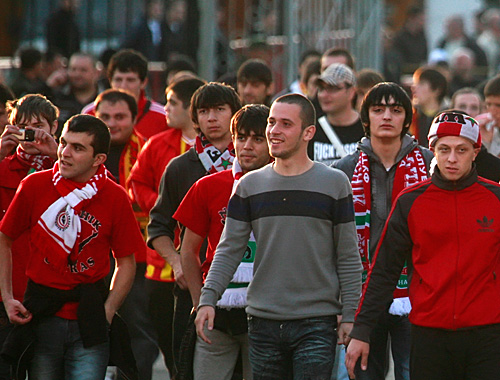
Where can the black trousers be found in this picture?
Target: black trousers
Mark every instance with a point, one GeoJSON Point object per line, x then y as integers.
{"type": "Point", "coordinates": [467, 354]}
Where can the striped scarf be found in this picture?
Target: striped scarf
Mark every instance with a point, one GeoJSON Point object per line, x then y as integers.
{"type": "Point", "coordinates": [129, 157]}
{"type": "Point", "coordinates": [235, 295]}
{"type": "Point", "coordinates": [213, 159]}
{"type": "Point", "coordinates": [57, 232]}
{"type": "Point", "coordinates": [37, 162]}
{"type": "Point", "coordinates": [411, 169]}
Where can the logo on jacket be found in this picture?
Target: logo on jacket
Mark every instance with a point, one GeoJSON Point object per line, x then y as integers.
{"type": "Point", "coordinates": [485, 223]}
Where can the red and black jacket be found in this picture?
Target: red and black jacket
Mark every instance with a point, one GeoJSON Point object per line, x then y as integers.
{"type": "Point", "coordinates": [450, 234]}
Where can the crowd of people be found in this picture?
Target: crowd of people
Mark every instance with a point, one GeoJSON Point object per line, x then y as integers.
{"type": "Point", "coordinates": [249, 232]}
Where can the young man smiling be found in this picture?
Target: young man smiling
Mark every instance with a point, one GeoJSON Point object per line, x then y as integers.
{"type": "Point", "coordinates": [387, 161]}
{"type": "Point", "coordinates": [446, 229]}
{"type": "Point", "coordinates": [72, 228]}
{"type": "Point", "coordinates": [203, 213]}
{"type": "Point", "coordinates": [301, 213]}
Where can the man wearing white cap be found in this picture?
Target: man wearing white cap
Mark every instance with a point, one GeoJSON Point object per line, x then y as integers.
{"type": "Point", "coordinates": [340, 129]}
{"type": "Point", "coordinates": [447, 229]}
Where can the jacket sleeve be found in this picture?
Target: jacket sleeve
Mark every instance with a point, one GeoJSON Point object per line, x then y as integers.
{"type": "Point", "coordinates": [161, 221]}
{"type": "Point", "coordinates": [393, 250]}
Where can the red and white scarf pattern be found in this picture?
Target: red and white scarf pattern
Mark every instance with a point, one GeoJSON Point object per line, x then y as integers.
{"type": "Point", "coordinates": [410, 170]}
{"type": "Point", "coordinates": [36, 161]}
{"type": "Point", "coordinates": [59, 227]}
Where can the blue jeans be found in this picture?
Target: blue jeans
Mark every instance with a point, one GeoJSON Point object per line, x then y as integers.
{"type": "Point", "coordinates": [399, 329]}
{"type": "Point", "coordinates": [301, 349]}
{"type": "Point", "coordinates": [59, 353]}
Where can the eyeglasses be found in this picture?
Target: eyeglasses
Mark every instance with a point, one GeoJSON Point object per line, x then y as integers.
{"type": "Point", "coordinates": [332, 89]}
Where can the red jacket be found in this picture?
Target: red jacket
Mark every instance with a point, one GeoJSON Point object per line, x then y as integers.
{"type": "Point", "coordinates": [150, 116]}
{"type": "Point", "coordinates": [143, 183]}
{"type": "Point", "coordinates": [450, 235]}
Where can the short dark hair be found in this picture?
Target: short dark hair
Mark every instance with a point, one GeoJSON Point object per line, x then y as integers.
{"type": "Point", "coordinates": [313, 67]}
{"type": "Point", "coordinates": [184, 89]}
{"type": "Point", "coordinates": [309, 53]}
{"type": "Point", "coordinates": [435, 78]}
{"type": "Point", "coordinates": [32, 105]}
{"type": "Point", "coordinates": [384, 91]}
{"type": "Point", "coordinates": [307, 111]}
{"type": "Point", "coordinates": [180, 62]}
{"type": "Point", "coordinates": [492, 88]}
{"type": "Point", "coordinates": [30, 57]}
{"type": "Point", "coordinates": [94, 127]}
{"type": "Point", "coordinates": [211, 95]}
{"type": "Point", "coordinates": [255, 70]}
{"type": "Point", "coordinates": [367, 78]}
{"type": "Point", "coordinates": [250, 118]}
{"type": "Point", "coordinates": [340, 52]}
{"type": "Point", "coordinates": [6, 94]}
{"type": "Point", "coordinates": [128, 60]}
{"type": "Point", "coordinates": [113, 96]}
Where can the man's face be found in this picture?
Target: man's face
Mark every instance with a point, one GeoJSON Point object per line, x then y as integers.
{"type": "Point", "coordinates": [422, 92]}
{"type": "Point", "coordinates": [34, 123]}
{"type": "Point", "coordinates": [327, 61]}
{"type": "Point", "coordinates": [128, 81]}
{"type": "Point", "coordinates": [118, 118]}
{"type": "Point", "coordinates": [493, 107]}
{"type": "Point", "coordinates": [214, 122]}
{"type": "Point", "coordinates": [454, 156]}
{"type": "Point", "coordinates": [284, 133]}
{"type": "Point", "coordinates": [468, 103]}
{"type": "Point", "coordinates": [252, 151]}
{"type": "Point", "coordinates": [177, 116]}
{"type": "Point", "coordinates": [81, 73]}
{"type": "Point", "coordinates": [76, 156]}
{"type": "Point", "coordinates": [386, 120]}
{"type": "Point", "coordinates": [253, 92]}
{"type": "Point", "coordinates": [335, 99]}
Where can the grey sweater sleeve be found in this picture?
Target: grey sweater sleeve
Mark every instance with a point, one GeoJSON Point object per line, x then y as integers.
{"type": "Point", "coordinates": [229, 252]}
{"type": "Point", "coordinates": [349, 266]}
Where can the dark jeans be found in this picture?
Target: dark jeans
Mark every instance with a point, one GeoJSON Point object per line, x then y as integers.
{"type": "Point", "coordinates": [135, 313]}
{"type": "Point", "coordinates": [59, 353]}
{"type": "Point", "coordinates": [399, 329]}
{"type": "Point", "coordinates": [468, 354]}
{"type": "Point", "coordinates": [183, 307]}
{"type": "Point", "coordinates": [301, 349]}
{"type": "Point", "coordinates": [161, 309]}
{"type": "Point", "coordinates": [5, 328]}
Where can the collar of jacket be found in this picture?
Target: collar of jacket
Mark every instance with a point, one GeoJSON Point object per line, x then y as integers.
{"type": "Point", "coordinates": [443, 183]}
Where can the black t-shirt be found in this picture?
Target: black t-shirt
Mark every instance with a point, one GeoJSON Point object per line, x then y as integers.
{"type": "Point", "coordinates": [321, 149]}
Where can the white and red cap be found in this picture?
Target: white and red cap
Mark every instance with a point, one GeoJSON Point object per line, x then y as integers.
{"type": "Point", "coordinates": [454, 124]}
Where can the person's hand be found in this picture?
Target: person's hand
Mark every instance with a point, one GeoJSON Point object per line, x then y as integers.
{"type": "Point", "coordinates": [44, 143]}
{"type": "Point", "coordinates": [58, 78]}
{"type": "Point", "coordinates": [17, 313]}
{"type": "Point", "coordinates": [486, 127]}
{"type": "Point", "coordinates": [355, 350]}
{"type": "Point", "coordinates": [9, 140]}
{"type": "Point", "coordinates": [343, 333]}
{"type": "Point", "coordinates": [204, 314]}
{"type": "Point", "coordinates": [179, 275]}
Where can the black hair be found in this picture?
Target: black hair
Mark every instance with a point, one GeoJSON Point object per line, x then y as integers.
{"type": "Point", "coordinates": [436, 80]}
{"type": "Point", "coordinates": [212, 95]}
{"type": "Point", "coordinates": [94, 127]}
{"type": "Point", "coordinates": [313, 67]}
{"type": "Point", "coordinates": [30, 57]}
{"type": "Point", "coordinates": [184, 89]}
{"type": "Point", "coordinates": [385, 91]}
{"type": "Point", "coordinates": [307, 111]}
{"type": "Point", "coordinates": [32, 105]}
{"type": "Point", "coordinates": [128, 60]}
{"type": "Point", "coordinates": [113, 96]}
{"type": "Point", "coordinates": [255, 70]}
{"type": "Point", "coordinates": [250, 118]}
{"type": "Point", "coordinates": [339, 52]}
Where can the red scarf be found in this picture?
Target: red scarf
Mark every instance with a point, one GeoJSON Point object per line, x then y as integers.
{"type": "Point", "coordinates": [213, 159]}
{"type": "Point", "coordinates": [411, 169]}
{"type": "Point", "coordinates": [36, 161]}
{"type": "Point", "coordinates": [57, 232]}
{"type": "Point", "coordinates": [129, 157]}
